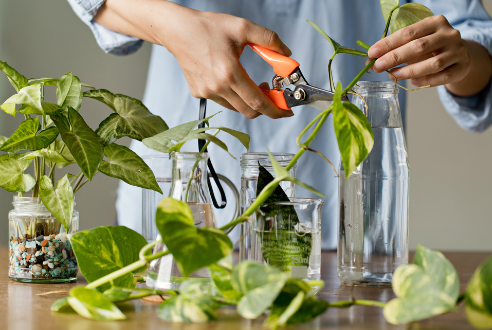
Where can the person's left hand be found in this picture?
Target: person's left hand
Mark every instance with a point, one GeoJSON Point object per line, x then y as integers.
{"type": "Point", "coordinates": [433, 50]}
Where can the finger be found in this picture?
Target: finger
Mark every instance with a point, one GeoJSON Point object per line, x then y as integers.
{"type": "Point", "coordinates": [264, 86]}
{"type": "Point", "coordinates": [254, 97]}
{"type": "Point", "coordinates": [264, 37]}
{"type": "Point", "coordinates": [403, 36]}
{"type": "Point", "coordinates": [223, 102]}
{"type": "Point", "coordinates": [449, 75]}
{"type": "Point", "coordinates": [424, 68]}
{"type": "Point", "coordinates": [409, 51]}
{"type": "Point", "coordinates": [238, 104]}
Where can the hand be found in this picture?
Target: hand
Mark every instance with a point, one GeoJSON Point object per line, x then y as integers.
{"type": "Point", "coordinates": [207, 46]}
{"type": "Point", "coordinates": [433, 50]}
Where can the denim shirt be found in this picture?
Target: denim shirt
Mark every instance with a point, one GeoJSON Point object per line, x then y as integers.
{"type": "Point", "coordinates": [345, 21]}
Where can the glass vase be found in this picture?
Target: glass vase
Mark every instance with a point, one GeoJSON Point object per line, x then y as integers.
{"type": "Point", "coordinates": [250, 163]}
{"type": "Point", "coordinates": [373, 218]}
{"type": "Point", "coordinates": [287, 235]}
{"type": "Point", "coordinates": [39, 249]}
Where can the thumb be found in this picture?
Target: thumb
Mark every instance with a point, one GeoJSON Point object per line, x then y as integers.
{"type": "Point", "coordinates": [264, 37]}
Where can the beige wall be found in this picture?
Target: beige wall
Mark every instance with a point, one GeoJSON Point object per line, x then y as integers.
{"type": "Point", "coordinates": [451, 176]}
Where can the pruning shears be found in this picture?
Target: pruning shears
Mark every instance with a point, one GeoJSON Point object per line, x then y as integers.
{"type": "Point", "coordinates": [288, 72]}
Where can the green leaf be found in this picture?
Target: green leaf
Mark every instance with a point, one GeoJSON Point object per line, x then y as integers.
{"type": "Point", "coordinates": [192, 248]}
{"type": "Point", "coordinates": [30, 95]}
{"type": "Point", "coordinates": [283, 175]}
{"type": "Point", "coordinates": [363, 45]}
{"type": "Point", "coordinates": [25, 138]}
{"type": "Point", "coordinates": [60, 304]}
{"type": "Point", "coordinates": [59, 202]}
{"type": "Point", "coordinates": [221, 279]}
{"type": "Point", "coordinates": [163, 141]}
{"type": "Point", "coordinates": [351, 51]}
{"type": "Point", "coordinates": [81, 141]}
{"type": "Point", "coordinates": [93, 305]}
{"type": "Point", "coordinates": [3, 139]}
{"type": "Point", "coordinates": [16, 79]}
{"type": "Point", "coordinates": [117, 294]}
{"type": "Point", "coordinates": [69, 91]}
{"type": "Point", "coordinates": [260, 284]}
{"type": "Point", "coordinates": [12, 177]}
{"type": "Point", "coordinates": [8, 108]}
{"type": "Point", "coordinates": [48, 155]}
{"type": "Point", "coordinates": [103, 250]}
{"type": "Point", "coordinates": [387, 6]}
{"type": "Point", "coordinates": [50, 108]}
{"type": "Point", "coordinates": [132, 118]}
{"type": "Point", "coordinates": [242, 137]}
{"type": "Point", "coordinates": [408, 14]}
{"type": "Point", "coordinates": [353, 131]}
{"type": "Point", "coordinates": [310, 309]}
{"type": "Point", "coordinates": [60, 147]}
{"type": "Point", "coordinates": [479, 297]}
{"type": "Point", "coordinates": [333, 43]}
{"type": "Point", "coordinates": [126, 165]}
{"type": "Point", "coordinates": [45, 81]}
{"type": "Point", "coordinates": [27, 110]}
{"type": "Point", "coordinates": [203, 136]}
{"type": "Point", "coordinates": [192, 305]}
{"type": "Point", "coordinates": [422, 289]}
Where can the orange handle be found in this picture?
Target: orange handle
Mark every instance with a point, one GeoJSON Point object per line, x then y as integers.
{"type": "Point", "coordinates": [277, 97]}
{"type": "Point", "coordinates": [282, 65]}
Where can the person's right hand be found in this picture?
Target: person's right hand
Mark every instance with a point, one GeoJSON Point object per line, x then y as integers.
{"type": "Point", "coordinates": [208, 46]}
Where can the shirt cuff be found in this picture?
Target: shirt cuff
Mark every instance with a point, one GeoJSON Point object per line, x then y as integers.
{"type": "Point", "coordinates": [110, 41]}
{"type": "Point", "coordinates": [472, 113]}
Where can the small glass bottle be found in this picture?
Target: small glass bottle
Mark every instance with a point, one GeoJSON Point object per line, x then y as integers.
{"type": "Point", "coordinates": [163, 273]}
{"type": "Point", "coordinates": [249, 179]}
{"type": "Point", "coordinates": [39, 249]}
{"type": "Point", "coordinates": [373, 218]}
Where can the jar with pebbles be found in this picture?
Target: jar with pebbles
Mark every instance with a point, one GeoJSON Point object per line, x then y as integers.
{"type": "Point", "coordinates": [39, 248]}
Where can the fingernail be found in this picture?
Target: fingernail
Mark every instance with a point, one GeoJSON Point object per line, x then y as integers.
{"type": "Point", "coordinates": [380, 65]}
{"type": "Point", "coordinates": [286, 50]}
{"type": "Point", "coordinates": [374, 52]}
{"type": "Point", "coordinates": [396, 73]}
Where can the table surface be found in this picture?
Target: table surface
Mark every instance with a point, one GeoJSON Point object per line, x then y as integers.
{"type": "Point", "coordinates": [22, 308]}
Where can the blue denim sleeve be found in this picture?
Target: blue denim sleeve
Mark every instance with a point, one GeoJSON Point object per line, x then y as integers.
{"type": "Point", "coordinates": [110, 41]}
{"type": "Point", "coordinates": [470, 18]}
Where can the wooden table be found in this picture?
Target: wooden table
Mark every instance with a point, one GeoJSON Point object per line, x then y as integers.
{"type": "Point", "coordinates": [21, 308]}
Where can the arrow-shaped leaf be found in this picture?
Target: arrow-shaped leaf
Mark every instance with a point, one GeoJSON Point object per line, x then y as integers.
{"type": "Point", "coordinates": [12, 177]}
{"type": "Point", "coordinates": [59, 202]}
{"type": "Point", "coordinates": [48, 154]}
{"type": "Point", "coordinates": [69, 91]}
{"type": "Point", "coordinates": [16, 79]}
{"type": "Point", "coordinates": [126, 165]}
{"type": "Point", "coordinates": [30, 95]}
{"type": "Point", "coordinates": [25, 138]}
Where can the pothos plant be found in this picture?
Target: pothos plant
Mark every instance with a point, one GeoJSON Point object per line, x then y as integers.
{"type": "Point", "coordinates": [427, 287]}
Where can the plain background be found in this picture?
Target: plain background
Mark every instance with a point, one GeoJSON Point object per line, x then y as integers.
{"type": "Point", "coordinates": [451, 177]}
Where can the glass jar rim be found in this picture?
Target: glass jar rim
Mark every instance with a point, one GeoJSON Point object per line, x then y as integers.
{"type": "Point", "coordinates": [30, 200]}
{"type": "Point", "coordinates": [295, 201]}
{"type": "Point", "coordinates": [251, 158]}
{"type": "Point", "coordinates": [190, 155]}
{"type": "Point", "coordinates": [159, 156]}
{"type": "Point", "coordinates": [376, 87]}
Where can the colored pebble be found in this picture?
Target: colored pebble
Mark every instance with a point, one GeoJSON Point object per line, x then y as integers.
{"type": "Point", "coordinates": [64, 254]}
{"type": "Point", "coordinates": [44, 243]}
{"type": "Point", "coordinates": [51, 248]}
{"type": "Point", "coordinates": [51, 265]}
{"type": "Point", "coordinates": [21, 248]}
{"type": "Point", "coordinates": [51, 253]}
{"type": "Point", "coordinates": [40, 238]}
{"type": "Point", "coordinates": [28, 257]}
{"type": "Point", "coordinates": [36, 268]}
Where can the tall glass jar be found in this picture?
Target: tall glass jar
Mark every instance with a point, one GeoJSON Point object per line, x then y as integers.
{"type": "Point", "coordinates": [249, 179]}
{"type": "Point", "coordinates": [163, 273]}
{"type": "Point", "coordinates": [39, 249]}
{"type": "Point", "coordinates": [373, 217]}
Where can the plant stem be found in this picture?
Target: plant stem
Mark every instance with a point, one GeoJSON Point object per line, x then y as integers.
{"type": "Point", "coordinates": [80, 185]}
{"type": "Point", "coordinates": [460, 298]}
{"type": "Point", "coordinates": [386, 29]}
{"type": "Point", "coordinates": [348, 303]}
{"type": "Point", "coordinates": [330, 75]}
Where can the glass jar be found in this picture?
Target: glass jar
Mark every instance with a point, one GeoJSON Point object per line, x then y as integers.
{"type": "Point", "coordinates": [39, 249]}
{"type": "Point", "coordinates": [373, 218]}
{"type": "Point", "coordinates": [162, 167]}
{"type": "Point", "coordinates": [249, 179]}
{"type": "Point", "coordinates": [287, 235]}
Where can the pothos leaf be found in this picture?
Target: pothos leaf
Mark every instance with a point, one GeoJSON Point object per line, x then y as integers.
{"type": "Point", "coordinates": [419, 290]}
{"type": "Point", "coordinates": [126, 165]}
{"type": "Point", "coordinates": [242, 137]}
{"type": "Point", "coordinates": [16, 79]}
{"type": "Point", "coordinates": [353, 131]}
{"type": "Point", "coordinates": [192, 248]}
{"type": "Point", "coordinates": [387, 6]}
{"type": "Point", "coordinates": [192, 305]}
{"type": "Point", "coordinates": [221, 279]}
{"type": "Point", "coordinates": [203, 136]}
{"type": "Point", "coordinates": [408, 14]}
{"type": "Point", "coordinates": [163, 141]}
{"type": "Point", "coordinates": [103, 250]}
{"type": "Point", "coordinates": [332, 42]}
{"type": "Point", "coordinates": [12, 177]}
{"type": "Point", "coordinates": [479, 297]}
{"type": "Point", "coordinates": [59, 202]}
{"type": "Point", "coordinates": [81, 141]}
{"type": "Point", "coordinates": [93, 305]}
{"type": "Point", "coordinates": [351, 51]}
{"type": "Point", "coordinates": [60, 304]}
{"type": "Point", "coordinates": [25, 138]}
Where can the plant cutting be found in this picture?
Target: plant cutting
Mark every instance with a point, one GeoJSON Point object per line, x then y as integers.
{"type": "Point", "coordinates": [427, 287]}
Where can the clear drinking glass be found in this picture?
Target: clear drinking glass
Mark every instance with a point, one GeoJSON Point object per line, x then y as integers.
{"type": "Point", "coordinates": [249, 181]}
{"type": "Point", "coordinates": [288, 235]}
{"type": "Point", "coordinates": [163, 273]}
{"type": "Point", "coordinates": [39, 249]}
{"type": "Point", "coordinates": [373, 218]}
{"type": "Point", "coordinates": [162, 166]}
